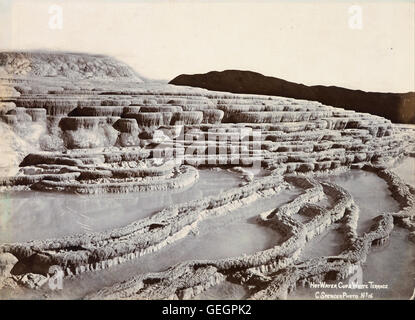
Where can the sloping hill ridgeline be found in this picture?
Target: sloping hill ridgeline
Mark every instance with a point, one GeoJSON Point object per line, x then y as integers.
{"type": "Point", "coordinates": [67, 65]}
{"type": "Point", "coordinates": [397, 107]}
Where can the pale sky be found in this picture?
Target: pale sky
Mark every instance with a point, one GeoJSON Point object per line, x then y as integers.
{"type": "Point", "coordinates": [308, 42]}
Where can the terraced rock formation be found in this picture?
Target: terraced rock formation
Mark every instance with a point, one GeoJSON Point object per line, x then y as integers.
{"type": "Point", "coordinates": [102, 129]}
{"type": "Point", "coordinates": [397, 107]}
{"type": "Point", "coordinates": [273, 273]}
{"type": "Point", "coordinates": [92, 136]}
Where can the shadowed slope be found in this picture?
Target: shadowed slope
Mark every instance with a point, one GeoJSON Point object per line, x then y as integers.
{"type": "Point", "coordinates": [397, 107]}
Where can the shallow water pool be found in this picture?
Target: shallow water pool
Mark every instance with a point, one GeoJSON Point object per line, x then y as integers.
{"type": "Point", "coordinates": [30, 215]}
{"type": "Point", "coordinates": [227, 236]}
{"type": "Point", "coordinates": [370, 193]}
{"type": "Point", "coordinates": [392, 264]}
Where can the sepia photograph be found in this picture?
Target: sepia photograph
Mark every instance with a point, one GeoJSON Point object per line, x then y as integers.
{"type": "Point", "coordinates": [232, 150]}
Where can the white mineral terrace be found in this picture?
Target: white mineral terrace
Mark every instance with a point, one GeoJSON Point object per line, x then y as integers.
{"type": "Point", "coordinates": [139, 191]}
{"type": "Point", "coordinates": [57, 214]}
{"type": "Point", "coordinates": [243, 235]}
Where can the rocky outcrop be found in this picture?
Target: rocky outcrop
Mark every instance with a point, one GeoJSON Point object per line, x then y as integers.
{"type": "Point", "coordinates": [117, 181]}
{"type": "Point", "coordinates": [7, 262]}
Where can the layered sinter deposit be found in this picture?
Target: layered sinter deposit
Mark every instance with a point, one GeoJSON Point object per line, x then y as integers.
{"type": "Point", "coordinates": [397, 107]}
{"type": "Point", "coordinates": [99, 129]}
